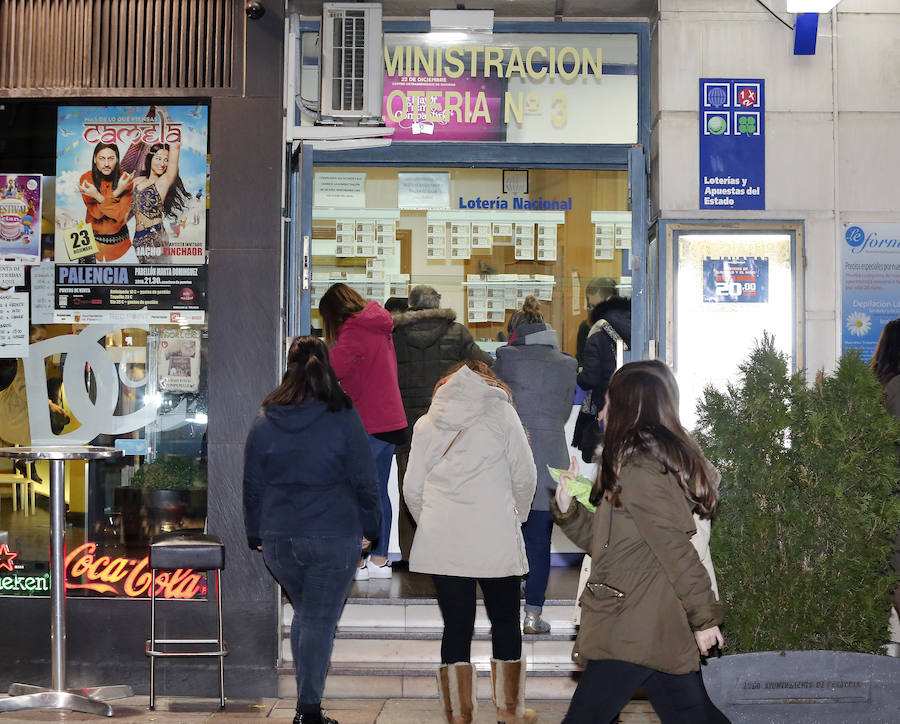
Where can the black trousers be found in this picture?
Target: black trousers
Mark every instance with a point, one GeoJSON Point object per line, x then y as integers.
{"type": "Point", "coordinates": [456, 598]}
{"type": "Point", "coordinates": [607, 686]}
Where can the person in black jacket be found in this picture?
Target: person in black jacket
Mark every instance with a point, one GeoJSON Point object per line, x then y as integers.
{"type": "Point", "coordinates": [311, 499]}
{"type": "Point", "coordinates": [610, 321]}
{"type": "Point", "coordinates": [428, 342]}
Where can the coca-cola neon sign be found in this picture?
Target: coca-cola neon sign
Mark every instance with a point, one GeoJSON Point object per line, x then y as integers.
{"type": "Point", "coordinates": [128, 577]}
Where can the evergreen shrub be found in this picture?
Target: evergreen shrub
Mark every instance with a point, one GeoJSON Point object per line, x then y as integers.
{"type": "Point", "coordinates": [809, 505]}
{"type": "Point", "coordinates": [172, 472]}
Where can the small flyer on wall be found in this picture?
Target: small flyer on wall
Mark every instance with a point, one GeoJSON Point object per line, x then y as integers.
{"type": "Point", "coordinates": [20, 217]}
{"type": "Point", "coordinates": [736, 280]}
{"type": "Point", "coordinates": [131, 184]}
{"type": "Point", "coordinates": [14, 324]}
{"type": "Point", "coordinates": [178, 366]}
{"type": "Point", "coordinates": [870, 272]}
{"type": "Point", "coordinates": [120, 293]}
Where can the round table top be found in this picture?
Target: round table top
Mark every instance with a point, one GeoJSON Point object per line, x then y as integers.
{"type": "Point", "coordinates": [59, 452]}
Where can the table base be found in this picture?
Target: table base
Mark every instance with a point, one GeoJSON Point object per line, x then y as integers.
{"type": "Point", "coordinates": [87, 701]}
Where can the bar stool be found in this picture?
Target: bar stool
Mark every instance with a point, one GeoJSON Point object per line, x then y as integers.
{"type": "Point", "coordinates": [202, 552]}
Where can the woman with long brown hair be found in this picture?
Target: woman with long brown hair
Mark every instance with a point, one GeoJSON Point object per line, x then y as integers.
{"type": "Point", "coordinates": [648, 609]}
{"type": "Point", "coordinates": [359, 335]}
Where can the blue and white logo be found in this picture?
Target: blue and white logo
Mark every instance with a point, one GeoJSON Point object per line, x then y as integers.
{"type": "Point", "coordinates": [855, 236]}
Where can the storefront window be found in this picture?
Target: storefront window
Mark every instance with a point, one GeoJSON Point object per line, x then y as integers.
{"type": "Point", "coordinates": [483, 238]}
{"type": "Point", "coordinates": [107, 345]}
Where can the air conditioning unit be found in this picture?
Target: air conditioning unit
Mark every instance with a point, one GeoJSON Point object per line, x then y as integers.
{"type": "Point", "coordinates": [352, 64]}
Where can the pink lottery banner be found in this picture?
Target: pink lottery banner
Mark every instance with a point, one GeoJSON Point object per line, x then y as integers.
{"type": "Point", "coordinates": [424, 108]}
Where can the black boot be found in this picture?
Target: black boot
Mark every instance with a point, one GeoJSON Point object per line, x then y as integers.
{"type": "Point", "coordinates": [313, 717]}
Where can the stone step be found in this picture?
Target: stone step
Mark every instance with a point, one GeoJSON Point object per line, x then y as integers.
{"type": "Point", "coordinates": [413, 613]}
{"type": "Point", "coordinates": [417, 680]}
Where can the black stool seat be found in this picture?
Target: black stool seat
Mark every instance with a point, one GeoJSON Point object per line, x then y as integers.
{"type": "Point", "coordinates": [187, 549]}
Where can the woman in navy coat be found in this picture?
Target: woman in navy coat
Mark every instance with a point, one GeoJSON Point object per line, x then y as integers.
{"type": "Point", "coordinates": [310, 500]}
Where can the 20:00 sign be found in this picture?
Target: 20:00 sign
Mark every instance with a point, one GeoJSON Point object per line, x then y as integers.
{"type": "Point", "coordinates": [736, 289]}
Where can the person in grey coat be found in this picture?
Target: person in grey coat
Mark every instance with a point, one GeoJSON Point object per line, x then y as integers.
{"type": "Point", "coordinates": [542, 381]}
{"type": "Point", "coordinates": [428, 341]}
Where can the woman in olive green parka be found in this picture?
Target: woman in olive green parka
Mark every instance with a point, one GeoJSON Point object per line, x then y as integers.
{"type": "Point", "coordinates": [648, 610]}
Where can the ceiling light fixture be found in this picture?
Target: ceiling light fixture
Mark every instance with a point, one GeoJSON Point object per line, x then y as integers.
{"type": "Point", "coordinates": [810, 6]}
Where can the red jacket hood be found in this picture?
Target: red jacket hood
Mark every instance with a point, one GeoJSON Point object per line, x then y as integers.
{"type": "Point", "coordinates": [374, 319]}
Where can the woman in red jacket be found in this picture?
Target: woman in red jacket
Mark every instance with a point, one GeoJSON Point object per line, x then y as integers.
{"type": "Point", "coordinates": [362, 354]}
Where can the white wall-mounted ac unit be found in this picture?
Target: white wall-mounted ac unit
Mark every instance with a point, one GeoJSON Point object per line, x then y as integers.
{"type": "Point", "coordinates": [352, 64]}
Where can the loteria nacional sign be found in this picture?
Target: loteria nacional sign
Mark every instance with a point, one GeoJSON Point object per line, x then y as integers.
{"type": "Point", "coordinates": [90, 573]}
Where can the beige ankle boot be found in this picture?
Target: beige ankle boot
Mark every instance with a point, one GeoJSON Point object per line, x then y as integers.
{"type": "Point", "coordinates": [508, 684]}
{"type": "Point", "coordinates": [457, 689]}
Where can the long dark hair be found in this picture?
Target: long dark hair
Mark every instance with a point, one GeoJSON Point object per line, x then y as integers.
{"type": "Point", "coordinates": [177, 195]}
{"type": "Point", "coordinates": [886, 360]}
{"type": "Point", "coordinates": [96, 176]}
{"type": "Point", "coordinates": [309, 376]}
{"type": "Point", "coordinates": [337, 305]}
{"type": "Point", "coordinates": [642, 416]}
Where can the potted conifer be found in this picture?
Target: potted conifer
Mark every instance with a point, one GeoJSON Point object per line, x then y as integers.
{"type": "Point", "coordinates": [166, 494]}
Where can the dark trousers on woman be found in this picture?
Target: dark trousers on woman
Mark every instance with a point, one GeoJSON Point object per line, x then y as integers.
{"type": "Point", "coordinates": [456, 598]}
{"type": "Point", "coordinates": [537, 531]}
{"type": "Point", "coordinates": [605, 687]}
{"type": "Point", "coordinates": [316, 574]}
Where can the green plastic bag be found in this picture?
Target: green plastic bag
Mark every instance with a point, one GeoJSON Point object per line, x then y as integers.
{"type": "Point", "coordinates": [580, 488]}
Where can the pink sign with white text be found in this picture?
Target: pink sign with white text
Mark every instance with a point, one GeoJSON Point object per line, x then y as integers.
{"type": "Point", "coordinates": [424, 108]}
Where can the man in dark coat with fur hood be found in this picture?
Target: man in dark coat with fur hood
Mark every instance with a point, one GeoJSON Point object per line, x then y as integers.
{"type": "Point", "coordinates": [428, 342]}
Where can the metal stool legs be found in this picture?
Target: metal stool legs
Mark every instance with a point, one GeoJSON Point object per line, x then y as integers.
{"type": "Point", "coordinates": [158, 648]}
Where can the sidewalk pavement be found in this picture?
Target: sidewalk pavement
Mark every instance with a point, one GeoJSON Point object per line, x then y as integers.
{"type": "Point", "coordinates": [184, 710]}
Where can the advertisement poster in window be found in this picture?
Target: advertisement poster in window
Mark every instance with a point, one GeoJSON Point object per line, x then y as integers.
{"type": "Point", "coordinates": [739, 279]}
{"type": "Point", "coordinates": [131, 184]}
{"type": "Point", "coordinates": [870, 272]}
{"type": "Point", "coordinates": [178, 366]}
{"type": "Point", "coordinates": [20, 217]}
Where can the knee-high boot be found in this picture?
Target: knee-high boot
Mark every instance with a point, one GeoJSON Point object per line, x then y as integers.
{"type": "Point", "coordinates": [457, 689]}
{"type": "Point", "coordinates": [508, 683]}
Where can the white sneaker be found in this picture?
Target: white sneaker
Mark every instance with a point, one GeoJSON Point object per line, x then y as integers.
{"type": "Point", "coordinates": [362, 573]}
{"type": "Point", "coordinates": [376, 571]}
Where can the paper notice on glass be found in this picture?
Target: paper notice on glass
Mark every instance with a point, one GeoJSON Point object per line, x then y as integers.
{"type": "Point", "coordinates": [12, 274]}
{"type": "Point", "coordinates": [339, 190]}
{"type": "Point", "coordinates": [42, 279]}
{"type": "Point", "coordinates": [14, 324]}
{"type": "Point", "coordinates": [423, 190]}
{"type": "Point", "coordinates": [178, 363]}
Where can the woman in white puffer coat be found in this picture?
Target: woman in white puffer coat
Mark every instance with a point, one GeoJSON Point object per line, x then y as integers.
{"type": "Point", "coordinates": [469, 485]}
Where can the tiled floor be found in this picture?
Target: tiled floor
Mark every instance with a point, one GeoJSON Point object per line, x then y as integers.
{"type": "Point", "coordinates": [346, 711]}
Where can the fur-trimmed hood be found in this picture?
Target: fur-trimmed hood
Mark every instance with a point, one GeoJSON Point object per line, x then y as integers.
{"type": "Point", "coordinates": [613, 304]}
{"type": "Point", "coordinates": [415, 315]}
{"type": "Point", "coordinates": [422, 328]}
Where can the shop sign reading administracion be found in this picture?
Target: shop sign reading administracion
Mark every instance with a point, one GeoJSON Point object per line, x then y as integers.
{"type": "Point", "coordinates": [473, 92]}
{"type": "Point", "coordinates": [732, 144]}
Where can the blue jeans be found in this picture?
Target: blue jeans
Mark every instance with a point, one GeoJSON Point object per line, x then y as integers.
{"type": "Point", "coordinates": [536, 531]}
{"type": "Point", "coordinates": [316, 574]}
{"type": "Point", "coordinates": [383, 452]}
